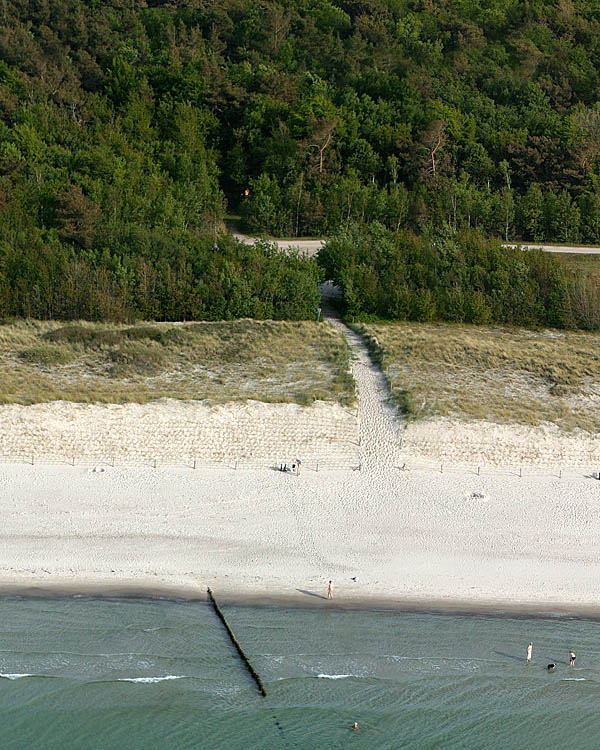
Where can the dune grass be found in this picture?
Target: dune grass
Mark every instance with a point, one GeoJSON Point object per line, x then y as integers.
{"type": "Point", "coordinates": [498, 374]}
{"type": "Point", "coordinates": [225, 361]}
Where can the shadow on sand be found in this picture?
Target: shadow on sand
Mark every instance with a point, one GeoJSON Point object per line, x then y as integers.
{"type": "Point", "coordinates": [312, 593]}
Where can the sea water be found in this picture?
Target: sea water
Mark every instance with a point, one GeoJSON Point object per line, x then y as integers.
{"type": "Point", "coordinates": [142, 673]}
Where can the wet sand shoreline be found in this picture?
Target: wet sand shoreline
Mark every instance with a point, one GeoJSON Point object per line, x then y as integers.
{"type": "Point", "coordinates": [115, 591]}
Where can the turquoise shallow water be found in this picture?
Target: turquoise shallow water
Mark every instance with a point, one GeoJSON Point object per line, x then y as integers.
{"type": "Point", "coordinates": [98, 670]}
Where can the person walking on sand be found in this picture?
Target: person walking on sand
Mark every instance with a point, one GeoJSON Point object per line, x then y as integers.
{"type": "Point", "coordinates": [572, 658]}
{"type": "Point", "coordinates": [298, 465]}
{"type": "Point", "coordinates": [529, 650]}
{"type": "Point", "coordinates": [330, 590]}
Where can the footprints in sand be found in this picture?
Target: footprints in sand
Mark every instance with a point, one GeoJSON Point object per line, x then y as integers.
{"type": "Point", "coordinates": [380, 425]}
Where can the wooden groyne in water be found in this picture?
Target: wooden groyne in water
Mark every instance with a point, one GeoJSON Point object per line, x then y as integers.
{"type": "Point", "coordinates": [235, 642]}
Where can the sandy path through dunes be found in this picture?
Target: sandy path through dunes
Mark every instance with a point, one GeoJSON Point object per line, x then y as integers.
{"type": "Point", "coordinates": [380, 423]}
{"type": "Point", "coordinates": [380, 426]}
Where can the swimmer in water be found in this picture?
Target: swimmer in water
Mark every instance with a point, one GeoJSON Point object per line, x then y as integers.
{"type": "Point", "coordinates": [355, 725]}
{"type": "Point", "coordinates": [572, 658]}
{"type": "Point", "coordinates": [529, 650]}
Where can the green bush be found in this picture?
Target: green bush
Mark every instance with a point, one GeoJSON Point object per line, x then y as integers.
{"type": "Point", "coordinates": [203, 280]}
{"type": "Point", "coordinates": [455, 277]}
{"type": "Point", "coordinates": [72, 335]}
{"type": "Point", "coordinates": [48, 355]}
{"type": "Point", "coordinates": [136, 358]}
{"type": "Point", "coordinates": [405, 402]}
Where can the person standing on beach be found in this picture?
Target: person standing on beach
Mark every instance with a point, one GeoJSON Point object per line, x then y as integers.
{"type": "Point", "coordinates": [330, 590]}
{"type": "Point", "coordinates": [572, 658]}
{"type": "Point", "coordinates": [529, 651]}
{"type": "Point", "coordinates": [298, 465]}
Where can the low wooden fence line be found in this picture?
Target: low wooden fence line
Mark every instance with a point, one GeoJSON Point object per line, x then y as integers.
{"type": "Point", "coordinates": [490, 470]}
{"type": "Point", "coordinates": [235, 642]}
{"type": "Point", "coordinates": [322, 464]}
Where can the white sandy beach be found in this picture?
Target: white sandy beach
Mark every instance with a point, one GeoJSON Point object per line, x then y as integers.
{"type": "Point", "coordinates": [420, 536]}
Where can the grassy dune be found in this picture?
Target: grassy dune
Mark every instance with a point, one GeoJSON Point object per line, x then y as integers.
{"type": "Point", "coordinates": [88, 362]}
{"type": "Point", "coordinates": [499, 374]}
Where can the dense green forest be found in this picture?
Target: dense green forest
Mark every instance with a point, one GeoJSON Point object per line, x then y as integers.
{"type": "Point", "coordinates": [127, 130]}
{"type": "Point", "coordinates": [201, 280]}
{"type": "Point", "coordinates": [455, 276]}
